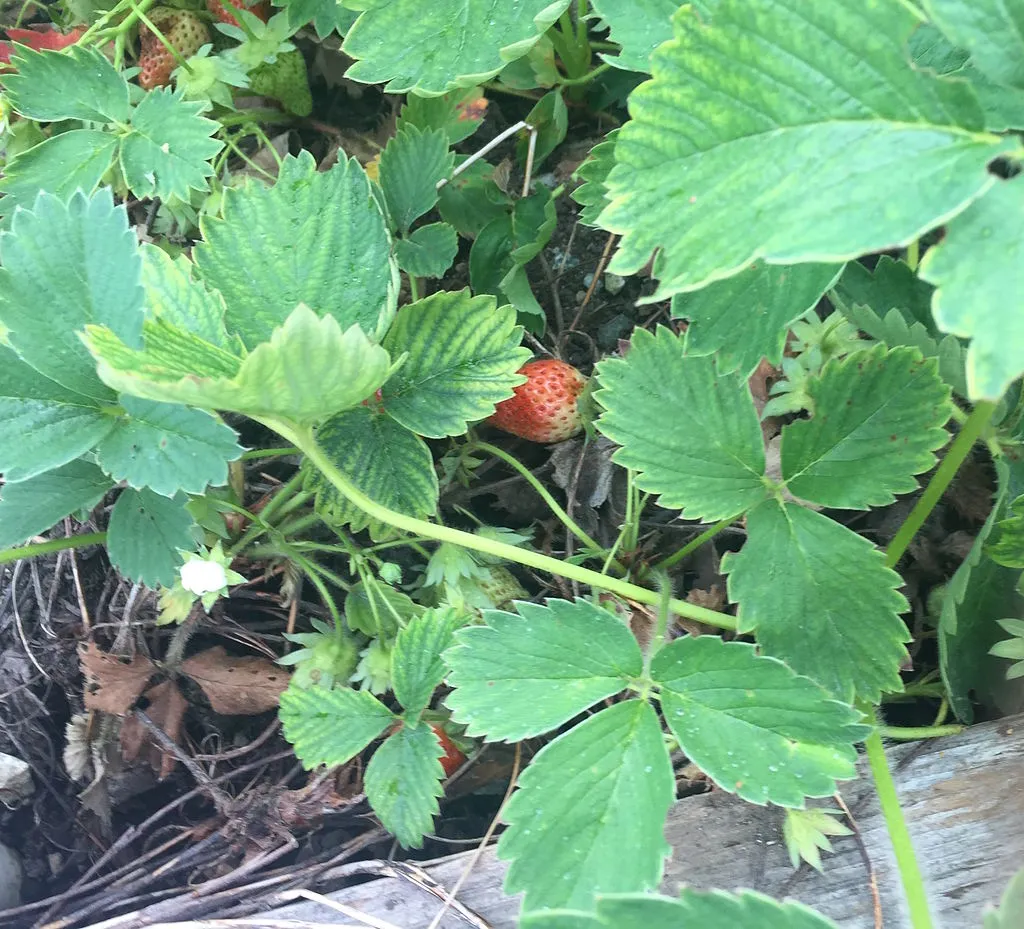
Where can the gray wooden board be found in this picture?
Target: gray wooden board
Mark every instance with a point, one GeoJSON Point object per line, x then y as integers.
{"type": "Point", "coordinates": [963, 797]}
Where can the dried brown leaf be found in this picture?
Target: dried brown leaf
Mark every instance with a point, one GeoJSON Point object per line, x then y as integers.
{"type": "Point", "coordinates": [167, 710]}
{"type": "Point", "coordinates": [111, 684]}
{"type": "Point", "coordinates": [236, 686]}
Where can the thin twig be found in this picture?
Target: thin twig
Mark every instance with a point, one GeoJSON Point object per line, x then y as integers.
{"type": "Point", "coordinates": [597, 276]}
{"type": "Point", "coordinates": [479, 153]}
{"type": "Point", "coordinates": [530, 152]}
{"type": "Point", "coordinates": [86, 623]}
{"type": "Point", "coordinates": [876, 899]}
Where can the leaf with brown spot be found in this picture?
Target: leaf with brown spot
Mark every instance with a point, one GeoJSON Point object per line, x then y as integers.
{"type": "Point", "coordinates": [113, 685]}
{"type": "Point", "coordinates": [236, 686]}
{"type": "Point", "coordinates": [167, 710]}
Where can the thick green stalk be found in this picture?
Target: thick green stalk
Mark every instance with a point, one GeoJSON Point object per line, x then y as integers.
{"type": "Point", "coordinates": [899, 835]}
{"type": "Point", "coordinates": [941, 479]}
{"type": "Point", "coordinates": [914, 733]}
{"type": "Point", "coordinates": [50, 546]}
{"type": "Point", "coordinates": [303, 438]}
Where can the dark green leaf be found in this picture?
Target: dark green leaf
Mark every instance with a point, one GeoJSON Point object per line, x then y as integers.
{"type": "Point", "coordinates": [416, 666]}
{"type": "Point", "coordinates": [992, 32]}
{"type": "Point", "coordinates": [42, 424]}
{"type": "Point", "coordinates": [820, 597]}
{"type": "Point", "coordinates": [464, 355]}
{"type": "Point", "coordinates": [427, 251]}
{"type": "Point", "coordinates": [403, 782]}
{"type": "Point", "coordinates": [146, 534]}
{"type": "Point", "coordinates": [639, 26]}
{"type": "Point", "coordinates": [167, 153]}
{"type": "Point", "coordinates": [383, 459]}
{"type": "Point", "coordinates": [458, 113]}
{"type": "Point", "coordinates": [412, 163]}
{"type": "Point", "coordinates": [316, 238]}
{"type": "Point", "coordinates": [61, 165]}
{"type": "Point", "coordinates": [520, 676]}
{"type": "Point", "coordinates": [66, 265]}
{"type": "Point", "coordinates": [746, 317]}
{"type": "Point", "coordinates": [877, 419]}
{"type": "Point", "coordinates": [167, 448]}
{"type": "Point", "coordinates": [756, 728]}
{"type": "Point", "coordinates": [77, 83]}
{"type": "Point", "coordinates": [690, 430]}
{"type": "Point", "coordinates": [551, 120]}
{"type": "Point", "coordinates": [33, 506]}
{"type": "Point", "coordinates": [593, 793]}
{"type": "Point", "coordinates": [329, 727]}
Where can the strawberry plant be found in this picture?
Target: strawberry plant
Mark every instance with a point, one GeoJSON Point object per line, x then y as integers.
{"type": "Point", "coordinates": [772, 152]}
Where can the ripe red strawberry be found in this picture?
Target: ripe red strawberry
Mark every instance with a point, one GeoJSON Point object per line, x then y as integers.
{"type": "Point", "coordinates": [221, 14]}
{"type": "Point", "coordinates": [39, 38]}
{"type": "Point", "coordinates": [544, 409]}
{"type": "Point", "coordinates": [453, 756]}
{"type": "Point", "coordinates": [186, 32]}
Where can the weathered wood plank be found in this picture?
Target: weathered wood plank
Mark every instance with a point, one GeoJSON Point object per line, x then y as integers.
{"type": "Point", "coordinates": [963, 797]}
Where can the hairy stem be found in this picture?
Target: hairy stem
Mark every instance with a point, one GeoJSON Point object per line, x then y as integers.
{"type": "Point", "coordinates": [913, 733]}
{"type": "Point", "coordinates": [36, 549]}
{"type": "Point", "coordinates": [706, 536]}
{"type": "Point", "coordinates": [303, 438]}
{"type": "Point", "coordinates": [944, 474]}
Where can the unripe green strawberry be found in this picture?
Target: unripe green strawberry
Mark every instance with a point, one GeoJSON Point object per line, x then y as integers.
{"type": "Point", "coordinates": [286, 80]}
{"type": "Point", "coordinates": [186, 33]}
{"type": "Point", "coordinates": [328, 657]}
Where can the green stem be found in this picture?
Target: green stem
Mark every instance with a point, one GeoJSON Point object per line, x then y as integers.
{"type": "Point", "coordinates": [255, 453]}
{"type": "Point", "coordinates": [303, 438]}
{"type": "Point", "coordinates": [255, 116]}
{"type": "Point", "coordinates": [300, 523]}
{"type": "Point", "coordinates": [910, 873]}
{"type": "Point", "coordinates": [589, 76]}
{"type": "Point", "coordinates": [913, 733]}
{"type": "Point", "coordinates": [414, 290]}
{"type": "Point", "coordinates": [542, 491]}
{"type": "Point", "coordinates": [706, 536]}
{"type": "Point", "coordinates": [36, 549]}
{"type": "Point", "coordinates": [944, 474]}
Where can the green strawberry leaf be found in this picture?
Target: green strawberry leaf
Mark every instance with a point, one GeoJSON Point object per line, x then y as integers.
{"type": "Point", "coordinates": [592, 194]}
{"type": "Point", "coordinates": [65, 265]}
{"type": "Point", "coordinates": [327, 16]}
{"type": "Point", "coordinates": [690, 430]}
{"type": "Point", "coordinates": [451, 43]}
{"type": "Point", "coordinates": [639, 26]}
{"type": "Point", "coordinates": [596, 791]}
{"type": "Point", "coordinates": [1011, 907]}
{"type": "Point", "coordinates": [991, 31]}
{"type": "Point", "coordinates": [696, 909]}
{"type": "Point", "coordinates": [321, 241]}
{"type": "Point", "coordinates": [403, 782]}
{"type": "Point", "coordinates": [980, 592]}
{"type": "Point", "coordinates": [1007, 548]}
{"type": "Point", "coordinates": [752, 725]}
{"type": "Point", "coordinates": [890, 285]}
{"type": "Point", "coordinates": [176, 296]}
{"type": "Point", "coordinates": [877, 421]}
{"type": "Point", "coordinates": [459, 113]}
{"type": "Point", "coordinates": [857, 150]}
{"type": "Point", "coordinates": [416, 666]}
{"type": "Point", "coordinates": [550, 119]}
{"type": "Point", "coordinates": [412, 163]}
{"type": "Point", "coordinates": [167, 448]}
{"type": "Point", "coordinates": [308, 370]}
{"type": "Point", "coordinates": [806, 833]}
{"type": "Point", "coordinates": [897, 327]}
{"type": "Point", "coordinates": [76, 83]}
{"type": "Point", "coordinates": [62, 165]}
{"type": "Point", "coordinates": [520, 676]}
{"type": "Point", "coordinates": [329, 727]}
{"type": "Point", "coordinates": [980, 261]}
{"type": "Point", "coordinates": [168, 151]}
{"type": "Point", "coordinates": [831, 611]}
{"type": "Point", "coordinates": [383, 459]}
{"type": "Point", "coordinates": [473, 200]}
{"type": "Point", "coordinates": [746, 317]}
{"type": "Point", "coordinates": [33, 506]}
{"type": "Point", "coordinates": [145, 534]}
{"type": "Point", "coordinates": [427, 251]}
{"type": "Point", "coordinates": [42, 424]}
{"type": "Point", "coordinates": [379, 611]}
{"type": "Point", "coordinates": [464, 355]}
